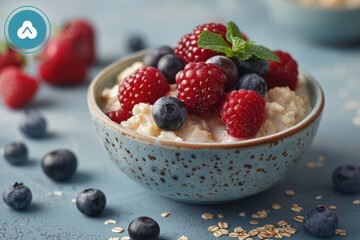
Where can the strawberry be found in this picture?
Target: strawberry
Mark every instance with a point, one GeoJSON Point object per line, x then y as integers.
{"type": "Point", "coordinates": [9, 57]}
{"type": "Point", "coordinates": [82, 34]}
{"type": "Point", "coordinates": [17, 88]}
{"type": "Point", "coordinates": [60, 63]}
{"type": "Point", "coordinates": [119, 115]}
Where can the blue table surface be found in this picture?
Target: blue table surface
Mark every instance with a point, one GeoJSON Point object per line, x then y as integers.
{"type": "Point", "coordinates": [50, 216]}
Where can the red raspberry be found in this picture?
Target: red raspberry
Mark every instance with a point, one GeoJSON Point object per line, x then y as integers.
{"type": "Point", "coordinates": [17, 88]}
{"type": "Point", "coordinates": [243, 112]}
{"type": "Point", "coordinates": [284, 73]}
{"type": "Point", "coordinates": [119, 115]}
{"type": "Point", "coordinates": [145, 85]}
{"type": "Point", "coordinates": [187, 48]}
{"type": "Point", "coordinates": [201, 87]}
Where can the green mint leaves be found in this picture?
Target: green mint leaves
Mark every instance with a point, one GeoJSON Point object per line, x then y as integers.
{"type": "Point", "coordinates": [240, 48]}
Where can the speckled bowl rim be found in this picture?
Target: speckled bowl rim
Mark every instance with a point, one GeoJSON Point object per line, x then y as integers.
{"type": "Point", "coordinates": [110, 70]}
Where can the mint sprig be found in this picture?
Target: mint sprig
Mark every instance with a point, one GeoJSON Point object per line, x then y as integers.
{"type": "Point", "coordinates": [240, 48]}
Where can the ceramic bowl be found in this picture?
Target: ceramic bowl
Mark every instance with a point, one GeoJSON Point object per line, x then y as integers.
{"type": "Point", "coordinates": [320, 24]}
{"type": "Point", "coordinates": [202, 172]}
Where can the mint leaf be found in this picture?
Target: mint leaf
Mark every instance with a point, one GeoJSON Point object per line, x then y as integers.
{"type": "Point", "coordinates": [263, 53]}
{"type": "Point", "coordinates": [242, 56]}
{"type": "Point", "coordinates": [214, 42]}
{"type": "Point", "coordinates": [233, 31]}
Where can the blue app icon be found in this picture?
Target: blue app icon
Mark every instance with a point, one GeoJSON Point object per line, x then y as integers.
{"type": "Point", "coordinates": [27, 29]}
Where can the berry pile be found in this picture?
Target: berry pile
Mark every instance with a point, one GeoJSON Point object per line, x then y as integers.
{"type": "Point", "coordinates": [217, 72]}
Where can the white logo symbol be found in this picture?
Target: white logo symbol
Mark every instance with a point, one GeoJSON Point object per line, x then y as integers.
{"type": "Point", "coordinates": [27, 31]}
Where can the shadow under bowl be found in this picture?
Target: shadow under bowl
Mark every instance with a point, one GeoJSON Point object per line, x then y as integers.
{"type": "Point", "coordinates": [202, 172]}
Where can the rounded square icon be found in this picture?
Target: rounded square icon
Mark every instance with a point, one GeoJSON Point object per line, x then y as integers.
{"type": "Point", "coordinates": [27, 29]}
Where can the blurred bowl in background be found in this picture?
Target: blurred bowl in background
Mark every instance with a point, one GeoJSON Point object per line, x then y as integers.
{"type": "Point", "coordinates": [335, 25]}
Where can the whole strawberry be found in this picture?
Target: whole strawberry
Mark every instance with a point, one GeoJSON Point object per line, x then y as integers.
{"type": "Point", "coordinates": [145, 85]}
{"type": "Point", "coordinates": [243, 112]}
{"type": "Point", "coordinates": [9, 57]}
{"type": "Point", "coordinates": [17, 89]}
{"type": "Point", "coordinates": [201, 87]}
{"type": "Point", "coordinates": [283, 73]}
{"type": "Point", "coordinates": [60, 63]}
{"type": "Point", "coordinates": [188, 49]}
{"type": "Point", "coordinates": [82, 34]}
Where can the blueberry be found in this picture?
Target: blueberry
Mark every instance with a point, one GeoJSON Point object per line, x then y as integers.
{"type": "Point", "coordinates": [136, 42]}
{"type": "Point", "coordinates": [170, 65]}
{"type": "Point", "coordinates": [59, 165]}
{"type": "Point", "coordinates": [152, 58]}
{"type": "Point", "coordinates": [144, 228]}
{"type": "Point", "coordinates": [258, 66]}
{"type": "Point", "coordinates": [169, 113]}
{"type": "Point", "coordinates": [229, 68]}
{"type": "Point", "coordinates": [16, 153]}
{"type": "Point", "coordinates": [33, 124]}
{"type": "Point", "coordinates": [91, 202]}
{"type": "Point", "coordinates": [252, 81]}
{"type": "Point", "coordinates": [17, 196]}
{"type": "Point", "coordinates": [321, 222]}
{"type": "Point", "coordinates": [346, 178]}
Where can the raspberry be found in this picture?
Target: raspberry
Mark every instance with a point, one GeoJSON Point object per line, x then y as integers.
{"type": "Point", "coordinates": [16, 87]}
{"type": "Point", "coordinates": [284, 73]}
{"type": "Point", "coordinates": [119, 115]}
{"type": "Point", "coordinates": [187, 48]}
{"type": "Point", "coordinates": [145, 85]}
{"type": "Point", "coordinates": [243, 112]}
{"type": "Point", "coordinates": [201, 87]}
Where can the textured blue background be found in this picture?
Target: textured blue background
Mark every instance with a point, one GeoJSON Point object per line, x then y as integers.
{"type": "Point", "coordinates": [337, 68]}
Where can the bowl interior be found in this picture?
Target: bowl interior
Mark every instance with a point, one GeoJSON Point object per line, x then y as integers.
{"type": "Point", "coordinates": [107, 78]}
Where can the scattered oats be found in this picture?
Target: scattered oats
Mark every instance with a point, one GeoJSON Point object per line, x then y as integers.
{"type": "Point", "coordinates": [57, 193]}
{"type": "Point", "coordinates": [356, 202]}
{"type": "Point", "coordinates": [299, 218]}
{"type": "Point", "coordinates": [233, 235]}
{"type": "Point", "coordinates": [318, 197]}
{"type": "Point", "coordinates": [213, 228]}
{"type": "Point", "coordinates": [282, 223]}
{"type": "Point", "coordinates": [289, 192]}
{"type": "Point", "coordinates": [125, 238]}
{"type": "Point", "coordinates": [260, 214]}
{"type": "Point", "coordinates": [224, 232]}
{"type": "Point", "coordinates": [351, 106]}
{"type": "Point", "coordinates": [249, 239]}
{"type": "Point", "coordinates": [290, 230]}
{"type": "Point", "coordinates": [114, 238]}
{"type": "Point", "coordinates": [220, 215]}
{"type": "Point", "coordinates": [310, 165]}
{"type": "Point", "coordinates": [239, 230]}
{"type": "Point", "coordinates": [109, 221]}
{"type": "Point", "coordinates": [165, 214]}
{"type": "Point", "coordinates": [340, 232]}
{"type": "Point", "coordinates": [321, 158]}
{"type": "Point", "coordinates": [117, 230]}
{"type": "Point", "coordinates": [242, 214]}
{"type": "Point", "coordinates": [73, 200]}
{"type": "Point", "coordinates": [333, 207]}
{"type": "Point", "coordinates": [254, 222]}
{"type": "Point", "coordinates": [276, 206]}
{"type": "Point", "coordinates": [253, 232]}
{"type": "Point", "coordinates": [286, 234]}
{"type": "Point", "coordinates": [223, 224]}
{"type": "Point", "coordinates": [243, 236]}
{"type": "Point", "coordinates": [207, 216]}
{"type": "Point", "coordinates": [218, 233]}
{"type": "Point", "coordinates": [183, 238]}
{"type": "Point", "coordinates": [296, 208]}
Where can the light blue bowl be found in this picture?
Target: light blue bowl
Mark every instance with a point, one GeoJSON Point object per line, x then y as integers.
{"type": "Point", "coordinates": [337, 25]}
{"type": "Point", "coordinates": [202, 172]}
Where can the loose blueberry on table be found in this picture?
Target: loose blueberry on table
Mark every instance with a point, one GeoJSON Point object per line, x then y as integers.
{"type": "Point", "coordinates": [136, 42]}
{"type": "Point", "coordinates": [321, 222]}
{"type": "Point", "coordinates": [91, 202]}
{"type": "Point", "coordinates": [33, 124]}
{"type": "Point", "coordinates": [59, 165]}
{"type": "Point", "coordinates": [346, 178]}
{"type": "Point", "coordinates": [144, 228]}
{"type": "Point", "coordinates": [16, 153]}
{"type": "Point", "coordinates": [17, 196]}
